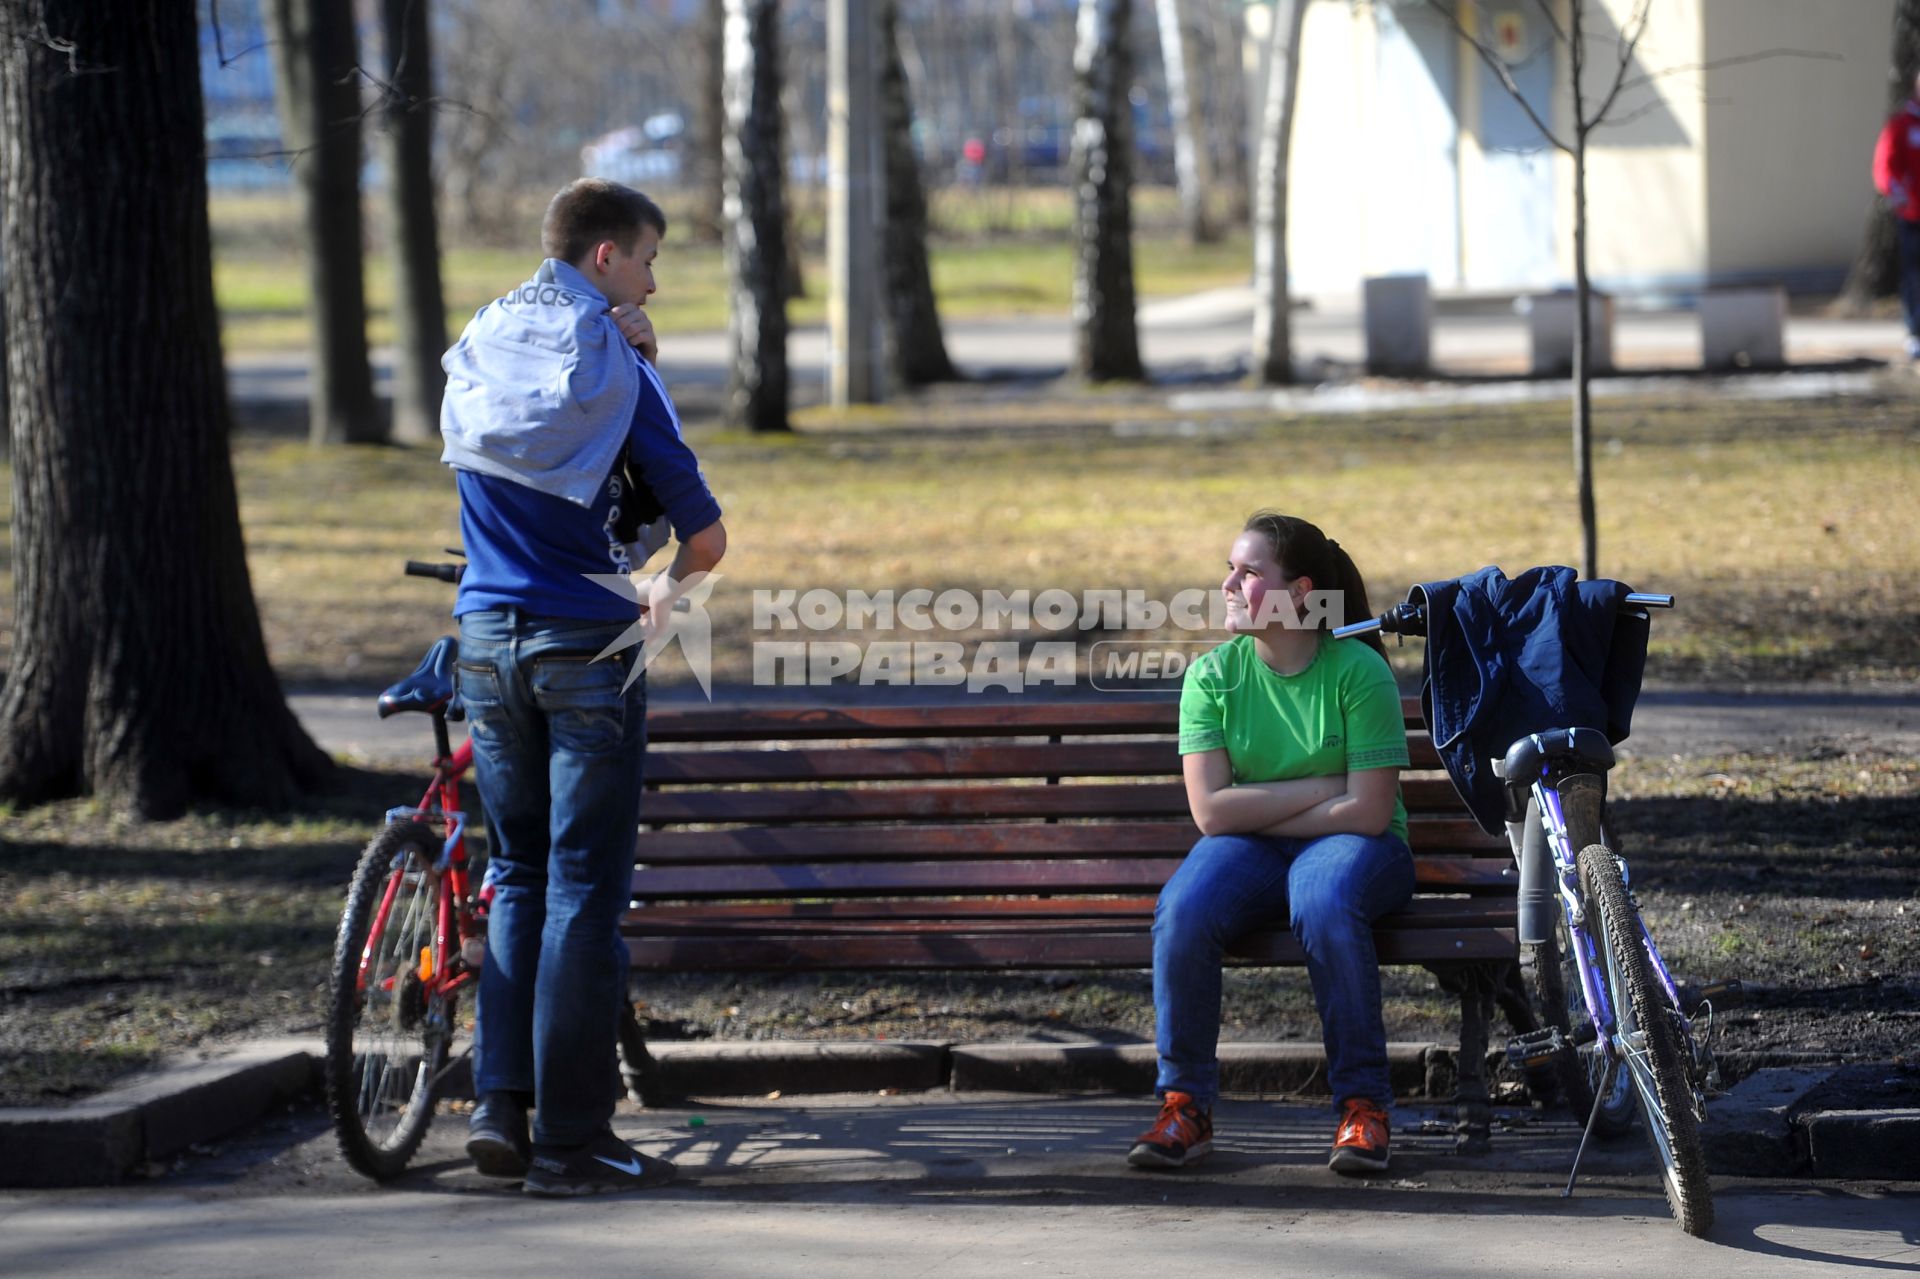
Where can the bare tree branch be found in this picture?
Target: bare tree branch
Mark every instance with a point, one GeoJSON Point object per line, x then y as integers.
{"type": "Point", "coordinates": [1499, 68]}
{"type": "Point", "coordinates": [1694, 68]}
{"type": "Point", "coordinates": [1635, 28]}
{"type": "Point", "coordinates": [1553, 19]}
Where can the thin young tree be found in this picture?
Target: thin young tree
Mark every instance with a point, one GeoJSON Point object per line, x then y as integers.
{"type": "Point", "coordinates": [1876, 264]}
{"type": "Point", "coordinates": [1192, 161]}
{"type": "Point", "coordinates": [1106, 336]}
{"type": "Point", "coordinates": [1587, 114]}
{"type": "Point", "coordinates": [139, 674]}
{"type": "Point", "coordinates": [916, 345]}
{"type": "Point", "coordinates": [315, 73]}
{"type": "Point", "coordinates": [755, 219]}
{"type": "Point", "coordinates": [419, 305]}
{"type": "Point", "coordinates": [1272, 316]}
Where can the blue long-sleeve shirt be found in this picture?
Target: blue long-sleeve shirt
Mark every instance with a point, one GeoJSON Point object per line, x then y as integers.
{"type": "Point", "coordinates": [533, 551]}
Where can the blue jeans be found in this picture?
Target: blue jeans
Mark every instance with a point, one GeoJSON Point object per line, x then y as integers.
{"type": "Point", "coordinates": [557, 750]}
{"type": "Point", "coordinates": [1909, 273]}
{"type": "Point", "coordinates": [1330, 889]}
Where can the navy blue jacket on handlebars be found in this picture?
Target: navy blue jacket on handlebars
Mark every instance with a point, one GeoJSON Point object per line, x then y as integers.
{"type": "Point", "coordinates": [1510, 657]}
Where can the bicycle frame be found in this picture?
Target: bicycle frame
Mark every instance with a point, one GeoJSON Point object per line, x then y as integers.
{"type": "Point", "coordinates": [1573, 906]}
{"type": "Point", "coordinates": [456, 910]}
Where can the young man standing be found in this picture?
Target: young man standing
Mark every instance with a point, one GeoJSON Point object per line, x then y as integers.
{"type": "Point", "coordinates": [551, 402]}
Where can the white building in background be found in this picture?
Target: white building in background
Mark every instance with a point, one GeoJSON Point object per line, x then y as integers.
{"type": "Point", "coordinates": [1744, 158]}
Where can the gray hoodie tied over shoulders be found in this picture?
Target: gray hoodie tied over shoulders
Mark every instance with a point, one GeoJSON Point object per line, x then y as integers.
{"type": "Point", "coordinates": [541, 388]}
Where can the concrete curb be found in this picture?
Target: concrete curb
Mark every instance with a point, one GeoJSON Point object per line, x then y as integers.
{"type": "Point", "coordinates": [102, 1140]}
{"type": "Point", "coordinates": [1772, 1124]}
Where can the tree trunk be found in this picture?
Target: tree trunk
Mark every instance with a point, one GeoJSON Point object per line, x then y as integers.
{"type": "Point", "coordinates": [1876, 264]}
{"type": "Point", "coordinates": [1230, 111]}
{"type": "Point", "coordinates": [420, 310]}
{"type": "Point", "coordinates": [1193, 165]}
{"type": "Point", "coordinates": [1107, 344]}
{"type": "Point", "coordinates": [755, 219]}
{"type": "Point", "coordinates": [1582, 293]}
{"type": "Point", "coordinates": [916, 346]}
{"type": "Point", "coordinates": [318, 87]}
{"type": "Point", "coordinates": [139, 672]}
{"type": "Point", "coordinates": [1272, 316]}
{"type": "Point", "coordinates": [708, 177]}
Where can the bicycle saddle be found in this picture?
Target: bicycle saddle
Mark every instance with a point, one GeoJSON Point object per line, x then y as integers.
{"type": "Point", "coordinates": [1576, 746]}
{"type": "Point", "coordinates": [430, 687]}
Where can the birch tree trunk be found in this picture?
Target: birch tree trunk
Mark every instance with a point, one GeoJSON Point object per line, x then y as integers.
{"type": "Point", "coordinates": [1192, 162]}
{"type": "Point", "coordinates": [1107, 343]}
{"type": "Point", "coordinates": [1272, 318]}
{"type": "Point", "coordinates": [916, 346]}
{"type": "Point", "coordinates": [420, 312]}
{"type": "Point", "coordinates": [755, 219]}
{"type": "Point", "coordinates": [314, 78]}
{"type": "Point", "coordinates": [139, 674]}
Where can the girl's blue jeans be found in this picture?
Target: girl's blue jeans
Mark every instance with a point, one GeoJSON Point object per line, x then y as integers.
{"type": "Point", "coordinates": [1330, 890]}
{"type": "Point", "coordinates": [558, 746]}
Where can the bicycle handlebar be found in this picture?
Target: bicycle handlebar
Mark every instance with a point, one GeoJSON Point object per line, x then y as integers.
{"type": "Point", "coordinates": [445, 572]}
{"type": "Point", "coordinates": [1411, 619]}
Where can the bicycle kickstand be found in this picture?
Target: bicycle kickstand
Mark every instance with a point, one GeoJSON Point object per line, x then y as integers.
{"type": "Point", "coordinates": [1600, 1095]}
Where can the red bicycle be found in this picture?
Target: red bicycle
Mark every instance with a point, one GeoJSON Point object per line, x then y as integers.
{"type": "Point", "coordinates": [412, 938]}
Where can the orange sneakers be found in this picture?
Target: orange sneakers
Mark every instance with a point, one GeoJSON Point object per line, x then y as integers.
{"type": "Point", "coordinates": [1182, 1134]}
{"type": "Point", "coordinates": [1360, 1146]}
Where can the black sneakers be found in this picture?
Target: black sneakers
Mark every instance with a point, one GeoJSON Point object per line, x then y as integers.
{"type": "Point", "coordinates": [602, 1166]}
{"type": "Point", "coordinates": [497, 1139]}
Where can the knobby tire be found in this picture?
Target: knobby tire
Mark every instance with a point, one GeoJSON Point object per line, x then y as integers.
{"type": "Point", "coordinates": [387, 1042]}
{"type": "Point", "coordinates": [1642, 1010]}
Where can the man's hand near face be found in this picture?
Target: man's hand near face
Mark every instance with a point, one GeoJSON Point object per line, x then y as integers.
{"type": "Point", "coordinates": [636, 326]}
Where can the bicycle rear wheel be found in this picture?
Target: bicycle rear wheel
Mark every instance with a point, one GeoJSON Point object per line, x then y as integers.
{"type": "Point", "coordinates": [1652, 1040]}
{"type": "Point", "coordinates": [1554, 983]}
{"type": "Point", "coordinates": [387, 1035]}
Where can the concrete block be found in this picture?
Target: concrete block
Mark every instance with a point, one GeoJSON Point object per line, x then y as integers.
{"type": "Point", "coordinates": [1028, 1067]}
{"type": "Point", "coordinates": [202, 1101]}
{"type": "Point", "coordinates": [703, 1068]}
{"type": "Point", "coordinates": [1864, 1143]}
{"type": "Point", "coordinates": [1398, 319]}
{"type": "Point", "coordinates": [1743, 328]}
{"type": "Point", "coordinates": [1550, 318]}
{"type": "Point", "coordinates": [1749, 1130]}
{"type": "Point", "coordinates": [87, 1145]}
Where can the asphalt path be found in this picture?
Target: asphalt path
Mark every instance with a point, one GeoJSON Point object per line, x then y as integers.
{"type": "Point", "coordinates": [1208, 337]}
{"type": "Point", "coordinates": [987, 1186]}
{"type": "Point", "coordinates": [1667, 720]}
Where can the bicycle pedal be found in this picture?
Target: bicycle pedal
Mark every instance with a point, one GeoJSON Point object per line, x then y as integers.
{"type": "Point", "coordinates": [1536, 1048]}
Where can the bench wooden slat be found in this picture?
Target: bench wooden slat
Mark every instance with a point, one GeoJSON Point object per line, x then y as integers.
{"type": "Point", "coordinates": [1129, 714]}
{"type": "Point", "coordinates": [1031, 839]}
{"type": "Point", "coordinates": [935, 803]}
{"type": "Point", "coordinates": [962, 915]}
{"type": "Point", "coordinates": [937, 762]}
{"type": "Point", "coordinates": [973, 952]}
{"type": "Point", "coordinates": [989, 878]}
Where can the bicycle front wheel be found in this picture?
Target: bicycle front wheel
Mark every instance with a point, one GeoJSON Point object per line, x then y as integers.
{"type": "Point", "coordinates": [387, 1034]}
{"type": "Point", "coordinates": [1651, 1039]}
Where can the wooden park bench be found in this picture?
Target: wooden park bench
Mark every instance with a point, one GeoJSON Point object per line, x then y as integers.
{"type": "Point", "coordinates": [972, 836]}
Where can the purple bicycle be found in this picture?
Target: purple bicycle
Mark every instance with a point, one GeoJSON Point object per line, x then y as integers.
{"type": "Point", "coordinates": [1614, 1031]}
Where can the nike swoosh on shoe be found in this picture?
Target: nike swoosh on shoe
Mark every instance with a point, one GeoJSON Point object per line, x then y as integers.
{"type": "Point", "coordinates": [631, 1166]}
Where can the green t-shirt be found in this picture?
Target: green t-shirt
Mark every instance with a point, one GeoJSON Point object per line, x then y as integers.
{"type": "Point", "coordinates": [1340, 715]}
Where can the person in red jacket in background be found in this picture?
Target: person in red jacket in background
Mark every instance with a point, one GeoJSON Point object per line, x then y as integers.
{"type": "Point", "coordinates": [1896, 175]}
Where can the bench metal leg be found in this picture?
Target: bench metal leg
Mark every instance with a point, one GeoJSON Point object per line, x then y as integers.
{"type": "Point", "coordinates": [1476, 984]}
